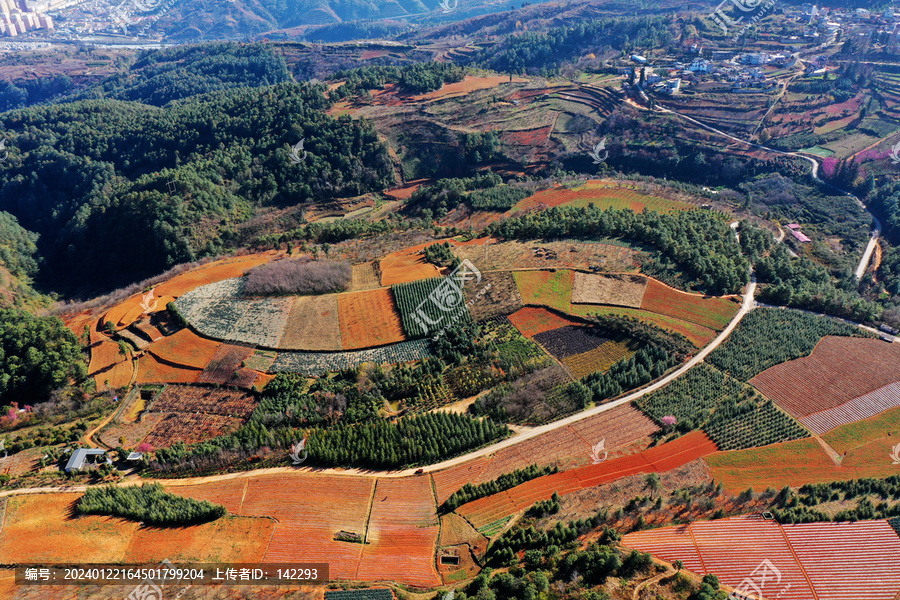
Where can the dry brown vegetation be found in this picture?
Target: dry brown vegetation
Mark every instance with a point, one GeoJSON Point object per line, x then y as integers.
{"type": "Point", "coordinates": [313, 324]}
{"type": "Point", "coordinates": [299, 276]}
{"type": "Point", "coordinates": [617, 289]}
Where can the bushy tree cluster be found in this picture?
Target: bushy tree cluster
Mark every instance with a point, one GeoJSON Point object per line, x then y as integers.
{"type": "Point", "coordinates": [697, 242]}
{"type": "Point", "coordinates": [302, 277]}
{"type": "Point", "coordinates": [470, 492]}
{"type": "Point", "coordinates": [416, 79]}
{"type": "Point", "coordinates": [149, 504]}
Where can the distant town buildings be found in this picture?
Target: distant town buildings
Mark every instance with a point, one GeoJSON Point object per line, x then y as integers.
{"type": "Point", "coordinates": [19, 16]}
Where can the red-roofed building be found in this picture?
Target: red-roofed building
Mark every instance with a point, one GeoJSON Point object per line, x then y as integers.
{"type": "Point", "coordinates": [800, 236]}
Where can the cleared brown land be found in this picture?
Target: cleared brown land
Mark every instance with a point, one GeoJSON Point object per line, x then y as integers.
{"type": "Point", "coordinates": [92, 539]}
{"type": "Point", "coordinates": [619, 290]}
{"type": "Point", "coordinates": [455, 530]}
{"type": "Point", "coordinates": [523, 255]}
{"type": "Point", "coordinates": [501, 298]}
{"type": "Point", "coordinates": [210, 400]}
{"type": "Point", "coordinates": [624, 430]}
{"type": "Point", "coordinates": [133, 433]}
{"type": "Point", "coordinates": [365, 277]}
{"type": "Point", "coordinates": [313, 324]}
{"type": "Point", "coordinates": [185, 348]}
{"type": "Point", "coordinates": [190, 428]}
{"type": "Point", "coordinates": [838, 370]}
{"type": "Point", "coordinates": [369, 319]}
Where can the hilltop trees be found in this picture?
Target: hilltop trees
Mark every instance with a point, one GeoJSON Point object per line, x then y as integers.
{"type": "Point", "coordinates": [37, 355]}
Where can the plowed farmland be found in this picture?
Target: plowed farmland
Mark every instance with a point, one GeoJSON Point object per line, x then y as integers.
{"type": "Point", "coordinates": [532, 320]}
{"type": "Point", "coordinates": [216, 271]}
{"type": "Point", "coordinates": [683, 450]}
{"type": "Point", "coordinates": [522, 255]}
{"type": "Point", "coordinates": [554, 290]}
{"type": "Point", "coordinates": [185, 348]}
{"type": "Point", "coordinates": [224, 366]}
{"type": "Point", "coordinates": [838, 370]}
{"type": "Point", "coordinates": [310, 509]}
{"type": "Point", "coordinates": [402, 533]}
{"type": "Point", "coordinates": [858, 409]}
{"type": "Point", "coordinates": [365, 277]}
{"type": "Point", "coordinates": [407, 265]}
{"type": "Point", "coordinates": [600, 358]}
{"type": "Point", "coordinates": [189, 428]}
{"type": "Point", "coordinates": [714, 313]}
{"type": "Point", "coordinates": [152, 370]}
{"type": "Point", "coordinates": [828, 561]}
{"type": "Point", "coordinates": [620, 290]}
{"type": "Point", "coordinates": [602, 195]}
{"type": "Point", "coordinates": [201, 399]}
{"type": "Point", "coordinates": [621, 428]}
{"type": "Point", "coordinates": [369, 319]}
{"type": "Point", "coordinates": [568, 341]}
{"type": "Point", "coordinates": [865, 448]}
{"type": "Point", "coordinates": [496, 295]}
{"type": "Point", "coordinates": [313, 324]}
{"type": "Point", "coordinates": [107, 539]}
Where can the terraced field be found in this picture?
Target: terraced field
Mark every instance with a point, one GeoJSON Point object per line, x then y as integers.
{"type": "Point", "coordinates": [602, 195]}
{"type": "Point", "coordinates": [839, 370]}
{"type": "Point", "coordinates": [828, 561]}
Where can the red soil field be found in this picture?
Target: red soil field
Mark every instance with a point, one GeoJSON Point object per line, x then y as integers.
{"type": "Point", "coordinates": [229, 539]}
{"type": "Point", "coordinates": [405, 192]}
{"type": "Point", "coordinates": [838, 370]}
{"type": "Point", "coordinates": [467, 85]}
{"type": "Point", "coordinates": [229, 493]}
{"type": "Point", "coordinates": [118, 376]}
{"type": "Point", "coordinates": [310, 509]}
{"type": "Point", "coordinates": [622, 428]}
{"type": "Point", "coordinates": [602, 194]}
{"type": "Point", "coordinates": [369, 319]}
{"type": "Point", "coordinates": [215, 271]}
{"type": "Point", "coordinates": [828, 561]}
{"type": "Point", "coordinates": [407, 265]}
{"type": "Point", "coordinates": [528, 137]}
{"type": "Point", "coordinates": [262, 380]}
{"type": "Point", "coordinates": [223, 367]}
{"type": "Point", "coordinates": [658, 459]}
{"type": "Point", "coordinates": [185, 348]}
{"type": "Point", "coordinates": [104, 354]}
{"type": "Point", "coordinates": [533, 320]}
{"type": "Point", "coordinates": [152, 370]}
{"type": "Point", "coordinates": [402, 533]}
{"type": "Point", "coordinates": [714, 313]}
{"type": "Point", "coordinates": [189, 428]}
{"type": "Point", "coordinates": [803, 461]}
{"type": "Point", "coordinates": [77, 322]}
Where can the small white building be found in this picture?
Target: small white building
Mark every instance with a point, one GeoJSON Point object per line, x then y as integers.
{"type": "Point", "coordinates": [701, 65]}
{"type": "Point", "coordinates": [673, 86]}
{"type": "Point", "coordinates": [638, 59]}
{"type": "Point", "coordinates": [863, 13]}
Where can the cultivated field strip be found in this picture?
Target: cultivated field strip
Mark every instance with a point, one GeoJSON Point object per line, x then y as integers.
{"type": "Point", "coordinates": [313, 324]}
{"type": "Point", "coordinates": [484, 511]}
{"type": "Point", "coordinates": [858, 409]}
{"type": "Point", "coordinates": [310, 509]}
{"type": "Point", "coordinates": [402, 533]}
{"type": "Point", "coordinates": [317, 363]}
{"type": "Point", "coordinates": [838, 370]}
{"type": "Point", "coordinates": [567, 447]}
{"type": "Point", "coordinates": [827, 561]}
{"type": "Point", "coordinates": [621, 290]}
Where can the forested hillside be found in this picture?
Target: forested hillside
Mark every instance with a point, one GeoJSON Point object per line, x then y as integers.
{"type": "Point", "coordinates": [118, 189]}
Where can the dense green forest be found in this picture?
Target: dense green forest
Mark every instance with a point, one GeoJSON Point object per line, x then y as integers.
{"type": "Point", "coordinates": [37, 355]}
{"type": "Point", "coordinates": [160, 76]}
{"type": "Point", "coordinates": [414, 79]}
{"type": "Point", "coordinates": [149, 504]}
{"type": "Point", "coordinates": [116, 189]}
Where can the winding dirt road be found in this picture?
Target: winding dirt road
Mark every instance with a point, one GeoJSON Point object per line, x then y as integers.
{"type": "Point", "coordinates": [746, 306]}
